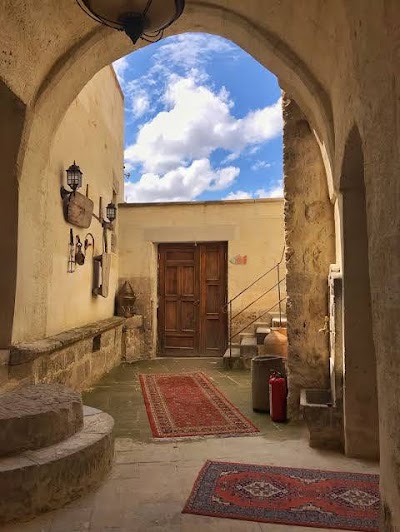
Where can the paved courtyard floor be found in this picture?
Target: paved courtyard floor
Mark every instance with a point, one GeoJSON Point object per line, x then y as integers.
{"type": "Point", "coordinates": [150, 482]}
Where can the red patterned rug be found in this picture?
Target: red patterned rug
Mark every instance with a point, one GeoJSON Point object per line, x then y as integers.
{"type": "Point", "coordinates": [188, 405]}
{"type": "Point", "coordinates": [298, 497]}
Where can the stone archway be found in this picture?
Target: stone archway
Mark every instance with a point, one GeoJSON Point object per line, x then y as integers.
{"type": "Point", "coordinates": [68, 76]}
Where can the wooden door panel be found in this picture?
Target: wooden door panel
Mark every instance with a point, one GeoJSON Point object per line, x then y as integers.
{"type": "Point", "coordinates": [188, 315]}
{"type": "Point", "coordinates": [171, 316]}
{"type": "Point", "coordinates": [213, 335]}
{"type": "Point", "coordinates": [213, 299]}
{"type": "Point", "coordinates": [192, 294]}
{"type": "Point", "coordinates": [213, 290]}
{"type": "Point", "coordinates": [188, 281]}
{"type": "Point", "coordinates": [178, 296]}
{"type": "Point", "coordinates": [171, 281]}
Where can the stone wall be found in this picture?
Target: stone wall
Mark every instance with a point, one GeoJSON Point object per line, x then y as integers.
{"type": "Point", "coordinates": [76, 358]}
{"type": "Point", "coordinates": [144, 309]}
{"type": "Point", "coordinates": [134, 340]}
{"type": "Point", "coordinates": [310, 249]}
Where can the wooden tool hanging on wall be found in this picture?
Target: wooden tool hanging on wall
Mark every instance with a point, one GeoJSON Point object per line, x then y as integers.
{"type": "Point", "coordinates": [78, 209]}
{"type": "Point", "coordinates": [101, 274]}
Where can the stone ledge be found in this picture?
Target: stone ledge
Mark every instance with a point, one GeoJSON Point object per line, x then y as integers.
{"type": "Point", "coordinates": [28, 351]}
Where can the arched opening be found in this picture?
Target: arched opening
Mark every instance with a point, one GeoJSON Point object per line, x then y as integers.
{"type": "Point", "coordinates": [317, 79]}
{"type": "Point", "coordinates": [360, 384]}
{"type": "Point", "coordinates": [74, 69]}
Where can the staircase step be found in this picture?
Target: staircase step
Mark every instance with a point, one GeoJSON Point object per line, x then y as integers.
{"type": "Point", "coordinates": [45, 479]}
{"type": "Point", "coordinates": [266, 323]}
{"type": "Point", "coordinates": [232, 360]}
{"type": "Point", "coordinates": [38, 416]}
{"type": "Point", "coordinates": [248, 347]}
{"type": "Point", "coordinates": [261, 333]}
{"type": "Point", "coordinates": [277, 322]}
{"type": "Point", "coordinates": [245, 335]}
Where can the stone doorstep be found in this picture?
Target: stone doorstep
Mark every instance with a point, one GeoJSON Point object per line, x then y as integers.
{"type": "Point", "coordinates": [28, 351]}
{"type": "Point", "coordinates": [68, 469]}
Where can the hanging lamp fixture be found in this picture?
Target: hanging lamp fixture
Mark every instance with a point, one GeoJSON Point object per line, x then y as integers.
{"type": "Point", "coordinates": [139, 19]}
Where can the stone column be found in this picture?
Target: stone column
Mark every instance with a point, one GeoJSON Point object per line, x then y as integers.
{"type": "Point", "coordinates": [310, 249]}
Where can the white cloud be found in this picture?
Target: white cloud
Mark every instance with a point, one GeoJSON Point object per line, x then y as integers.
{"type": "Point", "coordinates": [239, 194]}
{"type": "Point", "coordinates": [193, 50]}
{"type": "Point", "coordinates": [182, 119]}
{"type": "Point", "coordinates": [275, 192]}
{"type": "Point", "coordinates": [260, 165]}
{"type": "Point", "coordinates": [181, 184]}
{"type": "Point", "coordinates": [198, 121]}
{"type": "Point", "coordinates": [140, 104]}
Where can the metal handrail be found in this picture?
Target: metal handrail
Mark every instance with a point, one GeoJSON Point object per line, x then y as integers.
{"type": "Point", "coordinates": [256, 281]}
{"type": "Point", "coordinates": [259, 297]}
{"type": "Point", "coordinates": [258, 317]}
{"type": "Point", "coordinates": [280, 300]}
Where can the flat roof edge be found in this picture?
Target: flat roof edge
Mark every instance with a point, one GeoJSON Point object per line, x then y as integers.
{"type": "Point", "coordinates": [197, 203]}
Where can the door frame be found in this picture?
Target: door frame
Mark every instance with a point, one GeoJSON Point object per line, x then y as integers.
{"type": "Point", "coordinates": [159, 343]}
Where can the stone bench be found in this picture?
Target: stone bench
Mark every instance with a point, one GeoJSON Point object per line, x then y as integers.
{"type": "Point", "coordinates": [28, 351]}
{"type": "Point", "coordinates": [75, 358]}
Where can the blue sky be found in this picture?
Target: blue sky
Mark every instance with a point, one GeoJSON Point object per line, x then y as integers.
{"type": "Point", "coordinates": [203, 121]}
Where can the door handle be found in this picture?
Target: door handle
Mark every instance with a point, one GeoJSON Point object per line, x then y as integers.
{"type": "Point", "coordinates": [197, 302]}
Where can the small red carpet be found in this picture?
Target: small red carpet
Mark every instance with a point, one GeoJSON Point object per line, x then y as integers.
{"type": "Point", "coordinates": [188, 405]}
{"type": "Point", "coordinates": [288, 496]}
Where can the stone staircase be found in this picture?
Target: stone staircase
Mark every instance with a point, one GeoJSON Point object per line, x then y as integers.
{"type": "Point", "coordinates": [52, 449]}
{"type": "Point", "coordinates": [239, 355]}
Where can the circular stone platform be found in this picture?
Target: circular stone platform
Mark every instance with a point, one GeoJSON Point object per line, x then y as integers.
{"type": "Point", "coordinates": [38, 416]}
{"type": "Point", "coordinates": [45, 479]}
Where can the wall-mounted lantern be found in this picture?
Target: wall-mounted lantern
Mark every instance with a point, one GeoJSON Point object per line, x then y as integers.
{"type": "Point", "coordinates": [111, 212]}
{"type": "Point", "coordinates": [139, 19]}
{"type": "Point", "coordinates": [74, 177]}
{"type": "Point", "coordinates": [78, 209]}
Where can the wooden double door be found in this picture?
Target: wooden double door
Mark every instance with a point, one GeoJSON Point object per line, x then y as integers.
{"type": "Point", "coordinates": [192, 293]}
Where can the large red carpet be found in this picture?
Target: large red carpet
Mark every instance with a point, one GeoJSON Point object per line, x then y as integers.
{"type": "Point", "coordinates": [288, 496]}
{"type": "Point", "coordinates": [188, 405]}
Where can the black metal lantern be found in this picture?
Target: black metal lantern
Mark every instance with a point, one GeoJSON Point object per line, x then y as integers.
{"type": "Point", "coordinates": [74, 176]}
{"type": "Point", "coordinates": [111, 212]}
{"type": "Point", "coordinates": [145, 19]}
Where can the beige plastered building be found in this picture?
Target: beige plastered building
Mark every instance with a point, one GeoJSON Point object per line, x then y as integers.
{"type": "Point", "coordinates": [253, 231]}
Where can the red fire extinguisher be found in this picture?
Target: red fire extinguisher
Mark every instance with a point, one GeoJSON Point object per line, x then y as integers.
{"type": "Point", "coordinates": [277, 397]}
